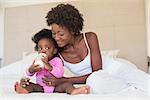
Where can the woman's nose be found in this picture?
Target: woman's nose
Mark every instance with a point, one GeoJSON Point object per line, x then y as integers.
{"type": "Point", "coordinates": [57, 37]}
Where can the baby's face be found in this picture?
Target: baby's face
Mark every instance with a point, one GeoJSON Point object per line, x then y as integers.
{"type": "Point", "coordinates": [46, 46]}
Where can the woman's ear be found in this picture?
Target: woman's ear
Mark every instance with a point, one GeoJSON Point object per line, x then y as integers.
{"type": "Point", "coordinates": [55, 51]}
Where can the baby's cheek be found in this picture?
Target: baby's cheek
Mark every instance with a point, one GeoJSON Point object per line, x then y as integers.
{"type": "Point", "coordinates": [50, 56]}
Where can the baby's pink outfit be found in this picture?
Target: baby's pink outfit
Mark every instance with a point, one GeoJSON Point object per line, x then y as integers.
{"type": "Point", "coordinates": [57, 71]}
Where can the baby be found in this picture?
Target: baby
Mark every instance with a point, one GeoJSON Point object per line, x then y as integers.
{"type": "Point", "coordinates": [46, 64]}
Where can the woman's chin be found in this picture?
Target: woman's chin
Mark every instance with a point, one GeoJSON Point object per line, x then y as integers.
{"type": "Point", "coordinates": [60, 45]}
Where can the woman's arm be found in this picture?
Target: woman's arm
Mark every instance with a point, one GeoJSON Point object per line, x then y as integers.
{"type": "Point", "coordinates": [53, 81]}
{"type": "Point", "coordinates": [93, 43]}
{"type": "Point", "coordinates": [75, 80]}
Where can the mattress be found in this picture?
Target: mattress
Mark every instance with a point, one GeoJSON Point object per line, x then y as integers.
{"type": "Point", "coordinates": [13, 72]}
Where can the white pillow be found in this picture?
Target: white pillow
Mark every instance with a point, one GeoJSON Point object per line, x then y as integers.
{"type": "Point", "coordinates": [18, 68]}
{"type": "Point", "coordinates": [106, 61]}
{"type": "Point", "coordinates": [117, 66]}
{"type": "Point", "coordinates": [28, 59]}
{"type": "Point", "coordinates": [102, 83]}
{"type": "Point", "coordinates": [113, 53]}
{"type": "Point", "coordinates": [13, 69]}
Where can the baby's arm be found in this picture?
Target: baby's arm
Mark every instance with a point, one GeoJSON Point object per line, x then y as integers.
{"type": "Point", "coordinates": [33, 69]}
{"type": "Point", "coordinates": [57, 67]}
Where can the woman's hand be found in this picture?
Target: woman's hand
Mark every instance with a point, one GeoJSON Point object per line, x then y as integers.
{"type": "Point", "coordinates": [34, 68]}
{"type": "Point", "coordinates": [51, 80]}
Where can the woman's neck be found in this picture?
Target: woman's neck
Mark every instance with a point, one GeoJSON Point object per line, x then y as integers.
{"type": "Point", "coordinates": [73, 43]}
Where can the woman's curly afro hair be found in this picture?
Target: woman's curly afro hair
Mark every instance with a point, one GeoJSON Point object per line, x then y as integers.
{"type": "Point", "coordinates": [66, 15]}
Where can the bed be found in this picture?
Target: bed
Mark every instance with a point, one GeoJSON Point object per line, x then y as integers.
{"type": "Point", "coordinates": [13, 72]}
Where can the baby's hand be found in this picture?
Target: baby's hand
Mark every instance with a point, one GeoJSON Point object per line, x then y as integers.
{"type": "Point", "coordinates": [24, 82]}
{"type": "Point", "coordinates": [34, 68]}
{"type": "Point", "coordinates": [46, 63]}
{"type": "Point", "coordinates": [45, 60]}
{"type": "Point", "coordinates": [48, 67]}
{"type": "Point", "coordinates": [38, 60]}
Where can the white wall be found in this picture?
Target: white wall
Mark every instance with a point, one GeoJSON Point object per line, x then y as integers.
{"type": "Point", "coordinates": [1, 32]}
{"type": "Point", "coordinates": [14, 3]}
{"type": "Point", "coordinates": [147, 5]}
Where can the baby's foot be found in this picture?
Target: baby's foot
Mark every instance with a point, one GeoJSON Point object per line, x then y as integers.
{"type": "Point", "coordinates": [20, 89]}
{"type": "Point", "coordinates": [81, 90]}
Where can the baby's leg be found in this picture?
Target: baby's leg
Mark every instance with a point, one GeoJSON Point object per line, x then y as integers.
{"type": "Point", "coordinates": [20, 89]}
{"type": "Point", "coordinates": [29, 88]}
{"type": "Point", "coordinates": [70, 89]}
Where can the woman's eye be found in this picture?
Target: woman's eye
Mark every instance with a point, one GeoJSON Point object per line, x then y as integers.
{"type": "Point", "coordinates": [61, 33]}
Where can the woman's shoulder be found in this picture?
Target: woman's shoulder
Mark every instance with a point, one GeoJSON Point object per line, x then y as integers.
{"type": "Point", "coordinates": [91, 36]}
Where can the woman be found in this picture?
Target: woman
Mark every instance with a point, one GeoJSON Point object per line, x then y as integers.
{"type": "Point", "coordinates": [80, 52]}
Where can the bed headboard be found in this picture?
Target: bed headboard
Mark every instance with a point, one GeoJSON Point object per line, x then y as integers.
{"type": "Point", "coordinates": [118, 25]}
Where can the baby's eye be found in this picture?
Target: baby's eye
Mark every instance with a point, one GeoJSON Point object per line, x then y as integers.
{"type": "Point", "coordinates": [46, 48]}
{"type": "Point", "coordinates": [39, 49]}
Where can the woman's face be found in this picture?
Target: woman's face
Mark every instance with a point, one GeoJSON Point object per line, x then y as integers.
{"type": "Point", "coordinates": [61, 35]}
{"type": "Point", "coordinates": [46, 46]}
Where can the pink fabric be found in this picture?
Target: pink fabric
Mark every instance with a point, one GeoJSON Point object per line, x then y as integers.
{"type": "Point", "coordinates": [57, 71]}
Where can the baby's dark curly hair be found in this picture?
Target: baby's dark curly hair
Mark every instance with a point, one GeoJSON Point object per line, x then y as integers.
{"type": "Point", "coordinates": [44, 33]}
{"type": "Point", "coordinates": [66, 15]}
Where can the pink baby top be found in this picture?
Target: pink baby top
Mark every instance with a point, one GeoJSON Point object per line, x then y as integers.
{"type": "Point", "coordinates": [57, 71]}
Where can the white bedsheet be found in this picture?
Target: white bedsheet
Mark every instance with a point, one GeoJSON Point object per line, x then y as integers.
{"type": "Point", "coordinates": [13, 72]}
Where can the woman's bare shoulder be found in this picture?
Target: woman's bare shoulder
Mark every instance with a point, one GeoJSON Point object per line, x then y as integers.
{"type": "Point", "coordinates": [91, 36]}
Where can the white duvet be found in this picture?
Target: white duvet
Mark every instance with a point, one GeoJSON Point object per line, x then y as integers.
{"type": "Point", "coordinates": [117, 75]}
{"type": "Point", "coordinates": [13, 72]}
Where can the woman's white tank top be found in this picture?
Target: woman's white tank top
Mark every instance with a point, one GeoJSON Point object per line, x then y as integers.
{"type": "Point", "coordinates": [82, 68]}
